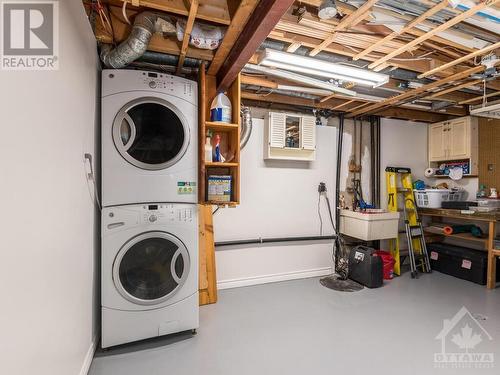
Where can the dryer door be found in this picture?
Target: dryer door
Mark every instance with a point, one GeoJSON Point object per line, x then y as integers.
{"type": "Point", "coordinates": [150, 133]}
{"type": "Point", "coordinates": [151, 268]}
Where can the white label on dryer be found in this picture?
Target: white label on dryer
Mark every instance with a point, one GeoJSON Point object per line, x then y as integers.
{"type": "Point", "coordinates": [186, 187]}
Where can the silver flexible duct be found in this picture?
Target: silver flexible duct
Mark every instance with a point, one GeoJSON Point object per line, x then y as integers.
{"type": "Point", "coordinates": [246, 126]}
{"type": "Point", "coordinates": [134, 46]}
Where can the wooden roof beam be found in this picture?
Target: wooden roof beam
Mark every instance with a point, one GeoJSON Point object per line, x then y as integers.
{"type": "Point", "coordinates": [265, 16]}
{"type": "Point", "coordinates": [346, 22]}
{"type": "Point", "coordinates": [443, 4]}
{"type": "Point", "coordinates": [442, 27]}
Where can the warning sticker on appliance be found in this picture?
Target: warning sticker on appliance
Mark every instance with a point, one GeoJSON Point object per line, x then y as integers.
{"type": "Point", "coordinates": [434, 255]}
{"type": "Point", "coordinates": [186, 187]}
{"type": "Point", "coordinates": [467, 264]}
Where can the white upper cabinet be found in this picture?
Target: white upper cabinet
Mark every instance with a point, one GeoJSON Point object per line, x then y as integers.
{"type": "Point", "coordinates": [453, 140]}
{"type": "Point", "coordinates": [290, 136]}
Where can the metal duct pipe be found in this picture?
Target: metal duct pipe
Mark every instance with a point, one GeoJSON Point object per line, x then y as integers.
{"type": "Point", "coordinates": [165, 59]}
{"type": "Point", "coordinates": [271, 240]}
{"type": "Point", "coordinates": [246, 126]}
{"type": "Point", "coordinates": [134, 46]}
{"type": "Point", "coordinates": [283, 92]}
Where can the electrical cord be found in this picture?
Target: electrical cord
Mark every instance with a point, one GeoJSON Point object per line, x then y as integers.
{"type": "Point", "coordinates": [319, 214]}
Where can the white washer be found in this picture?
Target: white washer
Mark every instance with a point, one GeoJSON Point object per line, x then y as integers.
{"type": "Point", "coordinates": [149, 138]}
{"type": "Point", "coordinates": [149, 271]}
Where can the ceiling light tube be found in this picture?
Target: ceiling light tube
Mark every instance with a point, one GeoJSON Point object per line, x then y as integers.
{"type": "Point", "coordinates": [300, 79]}
{"type": "Point", "coordinates": [314, 66]}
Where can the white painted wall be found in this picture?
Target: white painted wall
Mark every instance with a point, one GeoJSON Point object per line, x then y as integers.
{"type": "Point", "coordinates": [279, 199]}
{"type": "Point", "coordinates": [48, 224]}
{"type": "Point", "coordinates": [403, 144]}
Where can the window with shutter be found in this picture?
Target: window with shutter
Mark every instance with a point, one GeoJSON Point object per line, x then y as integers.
{"type": "Point", "coordinates": [277, 130]}
{"type": "Point", "coordinates": [308, 129]}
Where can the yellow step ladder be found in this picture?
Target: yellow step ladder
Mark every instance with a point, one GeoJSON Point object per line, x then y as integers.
{"type": "Point", "coordinates": [403, 190]}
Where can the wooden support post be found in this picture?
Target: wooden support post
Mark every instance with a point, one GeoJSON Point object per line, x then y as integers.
{"type": "Point", "coordinates": [207, 274]}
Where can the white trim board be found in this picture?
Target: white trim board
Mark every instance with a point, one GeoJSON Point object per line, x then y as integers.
{"type": "Point", "coordinates": [89, 356]}
{"type": "Point", "coordinates": [265, 279]}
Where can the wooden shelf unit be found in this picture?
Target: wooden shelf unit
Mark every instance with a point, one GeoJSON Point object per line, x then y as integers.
{"type": "Point", "coordinates": [230, 139]}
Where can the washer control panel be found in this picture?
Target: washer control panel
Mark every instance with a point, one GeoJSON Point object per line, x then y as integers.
{"type": "Point", "coordinates": [166, 83]}
{"type": "Point", "coordinates": [167, 213]}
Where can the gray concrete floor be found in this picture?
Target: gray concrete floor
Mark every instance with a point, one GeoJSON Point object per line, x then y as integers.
{"type": "Point", "coordinates": [300, 327]}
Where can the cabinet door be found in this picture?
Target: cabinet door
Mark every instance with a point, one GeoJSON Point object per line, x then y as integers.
{"type": "Point", "coordinates": [459, 143]}
{"type": "Point", "coordinates": [437, 142]}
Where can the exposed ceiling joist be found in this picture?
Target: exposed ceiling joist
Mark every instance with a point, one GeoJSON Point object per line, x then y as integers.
{"type": "Point", "coordinates": [442, 27]}
{"type": "Point", "coordinates": [478, 98]}
{"type": "Point", "coordinates": [468, 57]}
{"type": "Point", "coordinates": [454, 88]}
{"type": "Point", "coordinates": [404, 113]}
{"type": "Point", "coordinates": [415, 92]}
{"type": "Point", "coordinates": [187, 34]}
{"type": "Point", "coordinates": [266, 15]}
{"type": "Point", "coordinates": [346, 22]}
{"type": "Point", "coordinates": [443, 4]}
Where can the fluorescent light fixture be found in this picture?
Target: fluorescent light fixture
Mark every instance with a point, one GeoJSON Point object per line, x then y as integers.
{"type": "Point", "coordinates": [294, 77]}
{"type": "Point", "coordinates": [320, 68]}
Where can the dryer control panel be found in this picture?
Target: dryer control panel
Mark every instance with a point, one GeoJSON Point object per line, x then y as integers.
{"type": "Point", "coordinates": [167, 213]}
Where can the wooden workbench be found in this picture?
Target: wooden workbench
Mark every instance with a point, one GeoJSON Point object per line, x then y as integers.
{"type": "Point", "coordinates": [490, 218]}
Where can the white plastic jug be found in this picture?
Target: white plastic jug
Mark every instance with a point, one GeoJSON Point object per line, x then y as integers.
{"type": "Point", "coordinates": [220, 110]}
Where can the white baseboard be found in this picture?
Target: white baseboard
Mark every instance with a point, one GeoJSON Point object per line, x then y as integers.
{"type": "Point", "coordinates": [89, 356]}
{"type": "Point", "coordinates": [264, 279]}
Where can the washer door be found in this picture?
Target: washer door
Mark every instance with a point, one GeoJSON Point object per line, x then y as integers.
{"type": "Point", "coordinates": [150, 268]}
{"type": "Point", "coordinates": [150, 133]}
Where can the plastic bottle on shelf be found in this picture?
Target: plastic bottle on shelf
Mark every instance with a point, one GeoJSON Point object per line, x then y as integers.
{"type": "Point", "coordinates": [208, 150]}
{"type": "Point", "coordinates": [482, 193]}
{"type": "Point", "coordinates": [220, 110]}
{"type": "Point", "coordinates": [217, 154]}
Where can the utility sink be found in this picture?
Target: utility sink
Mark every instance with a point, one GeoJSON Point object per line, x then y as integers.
{"type": "Point", "coordinates": [369, 226]}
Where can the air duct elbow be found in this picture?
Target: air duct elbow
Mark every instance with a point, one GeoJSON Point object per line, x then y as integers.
{"type": "Point", "coordinates": [134, 46]}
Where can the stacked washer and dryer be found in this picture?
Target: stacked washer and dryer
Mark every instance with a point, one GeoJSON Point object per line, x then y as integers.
{"type": "Point", "coordinates": [149, 197]}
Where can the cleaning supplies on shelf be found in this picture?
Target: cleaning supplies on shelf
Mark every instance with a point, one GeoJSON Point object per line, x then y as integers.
{"type": "Point", "coordinates": [217, 154]}
{"type": "Point", "coordinates": [208, 150]}
{"type": "Point", "coordinates": [220, 110]}
{"type": "Point", "coordinates": [219, 188]}
{"type": "Point", "coordinates": [482, 192]}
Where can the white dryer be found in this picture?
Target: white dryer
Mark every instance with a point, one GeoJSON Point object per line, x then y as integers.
{"type": "Point", "coordinates": [149, 138]}
{"type": "Point", "coordinates": [149, 279]}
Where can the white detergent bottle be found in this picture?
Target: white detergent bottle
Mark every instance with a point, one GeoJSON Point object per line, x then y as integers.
{"type": "Point", "coordinates": [208, 150]}
{"type": "Point", "coordinates": [220, 110]}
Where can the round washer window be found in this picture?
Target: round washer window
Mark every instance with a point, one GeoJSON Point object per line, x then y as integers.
{"type": "Point", "coordinates": [151, 268]}
{"type": "Point", "coordinates": [150, 133]}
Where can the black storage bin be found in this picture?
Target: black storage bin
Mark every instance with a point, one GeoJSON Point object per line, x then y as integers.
{"type": "Point", "coordinates": [461, 262]}
{"type": "Point", "coordinates": [458, 205]}
{"type": "Point", "coordinates": [365, 267]}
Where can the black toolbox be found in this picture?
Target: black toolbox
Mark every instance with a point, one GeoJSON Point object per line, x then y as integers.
{"type": "Point", "coordinates": [461, 262]}
{"type": "Point", "coordinates": [365, 267]}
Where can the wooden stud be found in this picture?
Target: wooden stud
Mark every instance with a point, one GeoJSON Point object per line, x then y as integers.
{"type": "Point", "coordinates": [342, 105]}
{"type": "Point", "coordinates": [480, 52]}
{"type": "Point", "coordinates": [434, 31]}
{"type": "Point", "coordinates": [344, 24]}
{"type": "Point", "coordinates": [187, 34]}
{"type": "Point", "coordinates": [293, 47]}
{"type": "Point", "coordinates": [238, 22]}
{"type": "Point", "coordinates": [443, 4]}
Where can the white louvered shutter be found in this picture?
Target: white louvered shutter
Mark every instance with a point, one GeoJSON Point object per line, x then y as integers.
{"type": "Point", "coordinates": [277, 129]}
{"type": "Point", "coordinates": [308, 130]}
